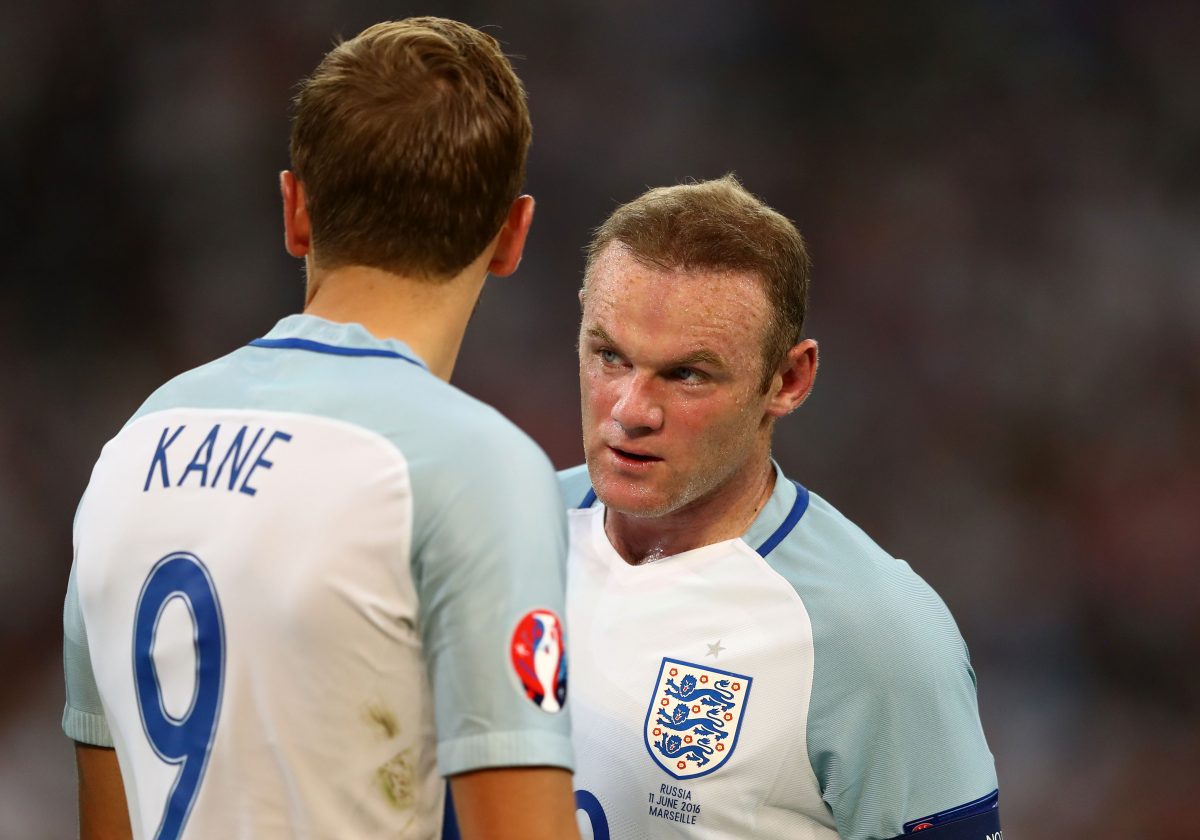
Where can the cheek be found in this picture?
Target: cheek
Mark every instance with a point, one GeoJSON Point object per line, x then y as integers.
{"type": "Point", "coordinates": [704, 416]}
{"type": "Point", "coordinates": [593, 397]}
{"type": "Point", "coordinates": [719, 432]}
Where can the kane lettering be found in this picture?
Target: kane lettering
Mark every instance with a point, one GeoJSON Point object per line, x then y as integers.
{"type": "Point", "coordinates": [242, 458]}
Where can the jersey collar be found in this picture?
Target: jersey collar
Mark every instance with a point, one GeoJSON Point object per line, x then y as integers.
{"type": "Point", "coordinates": [317, 335]}
{"type": "Point", "coordinates": [781, 513]}
{"type": "Point", "coordinates": [784, 508]}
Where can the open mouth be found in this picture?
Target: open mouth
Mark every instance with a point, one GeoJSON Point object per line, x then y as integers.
{"type": "Point", "coordinates": [634, 456]}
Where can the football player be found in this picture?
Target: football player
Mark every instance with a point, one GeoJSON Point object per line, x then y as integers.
{"type": "Point", "coordinates": [746, 662]}
{"type": "Point", "coordinates": [311, 578]}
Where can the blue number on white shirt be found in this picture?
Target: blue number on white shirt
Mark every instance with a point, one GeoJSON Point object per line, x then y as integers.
{"type": "Point", "coordinates": [587, 802]}
{"type": "Point", "coordinates": [185, 740]}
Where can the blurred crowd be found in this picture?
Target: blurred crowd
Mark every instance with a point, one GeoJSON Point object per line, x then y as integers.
{"type": "Point", "coordinates": [1003, 205]}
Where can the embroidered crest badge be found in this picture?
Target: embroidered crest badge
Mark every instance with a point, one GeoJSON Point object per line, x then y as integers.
{"type": "Point", "coordinates": [694, 717]}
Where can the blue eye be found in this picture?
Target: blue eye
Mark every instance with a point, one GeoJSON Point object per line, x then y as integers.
{"type": "Point", "coordinates": [609, 357]}
{"type": "Point", "coordinates": [685, 374]}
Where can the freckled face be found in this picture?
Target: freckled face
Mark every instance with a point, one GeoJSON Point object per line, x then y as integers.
{"type": "Point", "coordinates": [669, 367]}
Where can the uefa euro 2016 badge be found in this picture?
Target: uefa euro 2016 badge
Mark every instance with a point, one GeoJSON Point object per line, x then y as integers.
{"type": "Point", "coordinates": [694, 717]}
{"type": "Point", "coordinates": [540, 659]}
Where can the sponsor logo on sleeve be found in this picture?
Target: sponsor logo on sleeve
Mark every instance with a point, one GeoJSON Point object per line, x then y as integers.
{"type": "Point", "coordinates": [540, 659]}
{"type": "Point", "coordinates": [694, 717]}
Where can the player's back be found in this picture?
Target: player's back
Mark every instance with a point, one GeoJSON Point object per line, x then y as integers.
{"type": "Point", "coordinates": [252, 554]}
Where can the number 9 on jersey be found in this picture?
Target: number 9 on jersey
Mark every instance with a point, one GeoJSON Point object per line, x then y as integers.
{"type": "Point", "coordinates": [188, 739]}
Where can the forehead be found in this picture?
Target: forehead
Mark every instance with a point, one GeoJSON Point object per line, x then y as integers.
{"type": "Point", "coordinates": [678, 310]}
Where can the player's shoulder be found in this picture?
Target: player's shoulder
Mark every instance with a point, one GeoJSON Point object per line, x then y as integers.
{"type": "Point", "coordinates": [574, 483]}
{"type": "Point", "coordinates": [469, 437]}
{"type": "Point", "coordinates": [834, 549]}
{"type": "Point", "coordinates": [455, 449]}
{"type": "Point", "coordinates": [181, 390]}
{"type": "Point", "coordinates": [858, 592]}
{"type": "Point", "coordinates": [340, 372]}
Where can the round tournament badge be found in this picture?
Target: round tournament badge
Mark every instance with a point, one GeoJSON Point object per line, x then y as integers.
{"type": "Point", "coordinates": [540, 659]}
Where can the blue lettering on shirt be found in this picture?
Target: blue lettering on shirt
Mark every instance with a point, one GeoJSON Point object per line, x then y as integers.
{"type": "Point", "coordinates": [262, 461]}
{"type": "Point", "coordinates": [160, 458]}
{"type": "Point", "coordinates": [235, 453]}
{"type": "Point", "coordinates": [204, 449]}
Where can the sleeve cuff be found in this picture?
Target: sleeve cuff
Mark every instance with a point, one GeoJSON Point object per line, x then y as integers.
{"type": "Point", "coordinates": [86, 728]}
{"type": "Point", "coordinates": [505, 749]}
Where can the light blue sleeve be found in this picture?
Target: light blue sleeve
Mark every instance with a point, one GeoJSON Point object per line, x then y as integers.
{"type": "Point", "coordinates": [83, 717]}
{"type": "Point", "coordinates": [893, 727]}
{"type": "Point", "coordinates": [894, 731]}
{"type": "Point", "coordinates": [489, 550]}
{"type": "Point", "coordinates": [574, 484]}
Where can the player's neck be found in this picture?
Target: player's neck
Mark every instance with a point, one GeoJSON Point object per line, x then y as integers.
{"type": "Point", "coordinates": [430, 317]}
{"type": "Point", "coordinates": [722, 515]}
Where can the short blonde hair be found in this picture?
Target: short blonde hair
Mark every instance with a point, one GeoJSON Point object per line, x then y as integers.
{"type": "Point", "coordinates": [719, 225]}
{"type": "Point", "coordinates": [410, 140]}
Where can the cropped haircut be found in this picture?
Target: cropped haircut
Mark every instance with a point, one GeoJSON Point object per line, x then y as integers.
{"type": "Point", "coordinates": [719, 225]}
{"type": "Point", "coordinates": [410, 141]}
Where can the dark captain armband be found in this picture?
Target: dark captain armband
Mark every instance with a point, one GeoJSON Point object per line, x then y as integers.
{"type": "Point", "coordinates": [978, 820]}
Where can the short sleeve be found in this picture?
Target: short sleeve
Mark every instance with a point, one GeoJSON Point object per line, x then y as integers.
{"type": "Point", "coordinates": [488, 563]}
{"type": "Point", "coordinates": [894, 731]}
{"type": "Point", "coordinates": [575, 487]}
{"type": "Point", "coordinates": [83, 717]}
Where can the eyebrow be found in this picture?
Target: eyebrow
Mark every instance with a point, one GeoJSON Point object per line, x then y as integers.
{"type": "Point", "coordinates": [601, 334]}
{"type": "Point", "coordinates": [697, 357]}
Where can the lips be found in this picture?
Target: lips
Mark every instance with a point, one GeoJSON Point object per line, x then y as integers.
{"type": "Point", "coordinates": [628, 456]}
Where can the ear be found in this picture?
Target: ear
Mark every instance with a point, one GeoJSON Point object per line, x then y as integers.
{"type": "Point", "coordinates": [794, 380]}
{"type": "Point", "coordinates": [510, 242]}
{"type": "Point", "coordinates": [297, 233]}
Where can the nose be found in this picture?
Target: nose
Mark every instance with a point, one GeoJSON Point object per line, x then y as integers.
{"type": "Point", "coordinates": [638, 409]}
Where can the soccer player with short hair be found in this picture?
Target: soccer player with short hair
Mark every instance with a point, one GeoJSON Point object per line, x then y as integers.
{"type": "Point", "coordinates": [312, 578]}
{"type": "Point", "coordinates": [746, 662]}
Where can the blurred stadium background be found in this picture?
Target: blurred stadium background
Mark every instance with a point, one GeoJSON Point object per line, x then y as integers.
{"type": "Point", "coordinates": [1002, 200]}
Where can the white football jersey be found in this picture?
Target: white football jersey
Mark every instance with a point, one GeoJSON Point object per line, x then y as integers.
{"type": "Point", "coordinates": [311, 579]}
{"type": "Point", "coordinates": [794, 684]}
